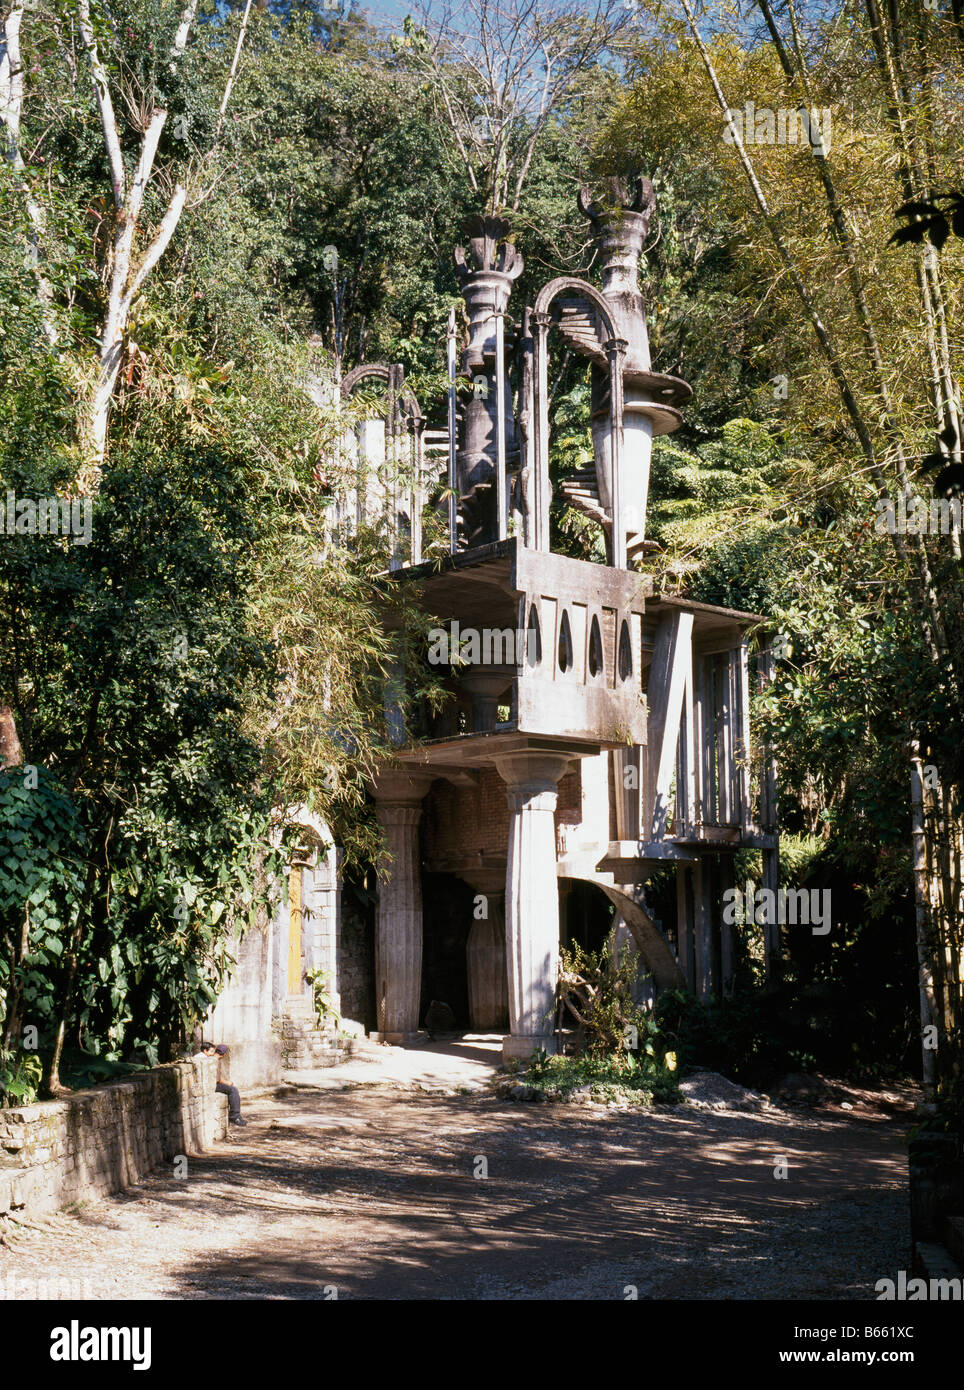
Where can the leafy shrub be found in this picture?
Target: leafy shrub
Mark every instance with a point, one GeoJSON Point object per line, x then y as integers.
{"type": "Point", "coordinates": [596, 990]}
{"type": "Point", "coordinates": [320, 981]}
{"type": "Point", "coordinates": [20, 1076]}
{"type": "Point", "coordinates": [633, 1078]}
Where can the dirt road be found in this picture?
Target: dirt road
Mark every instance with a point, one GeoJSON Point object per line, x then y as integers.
{"type": "Point", "coordinates": [375, 1192]}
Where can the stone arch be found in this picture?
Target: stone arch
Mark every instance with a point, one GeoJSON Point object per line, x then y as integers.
{"type": "Point", "coordinates": [655, 950]}
{"type": "Point", "coordinates": [539, 323]}
{"type": "Point", "coordinates": [653, 946]}
{"type": "Point", "coordinates": [379, 371]}
{"type": "Point", "coordinates": [572, 282]}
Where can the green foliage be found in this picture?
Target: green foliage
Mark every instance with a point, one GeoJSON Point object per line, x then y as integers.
{"type": "Point", "coordinates": [619, 1047]}
{"type": "Point", "coordinates": [20, 1076]}
{"type": "Point", "coordinates": [627, 1078]}
{"type": "Point", "coordinates": [595, 990]}
{"type": "Point", "coordinates": [42, 862]}
{"type": "Point", "coordinates": [209, 660]}
{"type": "Point", "coordinates": [321, 984]}
{"type": "Point", "coordinates": [81, 1070]}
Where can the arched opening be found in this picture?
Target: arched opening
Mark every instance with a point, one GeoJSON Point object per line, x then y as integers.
{"type": "Point", "coordinates": [533, 638]}
{"type": "Point", "coordinates": [596, 661]}
{"type": "Point", "coordinates": [565, 644]}
{"type": "Point", "coordinates": [586, 916]}
{"type": "Point", "coordinates": [624, 660]}
{"type": "Point", "coordinates": [356, 974]}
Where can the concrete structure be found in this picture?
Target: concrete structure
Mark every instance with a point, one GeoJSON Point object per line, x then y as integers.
{"type": "Point", "coordinates": [597, 735]}
{"type": "Point", "coordinates": [265, 1010]}
{"type": "Point", "coordinates": [615, 723]}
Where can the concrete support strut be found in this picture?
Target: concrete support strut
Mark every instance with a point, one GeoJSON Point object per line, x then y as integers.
{"type": "Point", "coordinates": [398, 927]}
{"type": "Point", "coordinates": [531, 900]}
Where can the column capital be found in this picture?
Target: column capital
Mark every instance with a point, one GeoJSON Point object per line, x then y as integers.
{"type": "Point", "coordinates": [399, 787]}
{"type": "Point", "coordinates": [531, 796]}
{"type": "Point", "coordinates": [532, 775]}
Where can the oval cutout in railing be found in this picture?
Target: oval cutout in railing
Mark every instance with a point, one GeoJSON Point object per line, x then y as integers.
{"type": "Point", "coordinates": [565, 644]}
{"type": "Point", "coordinates": [596, 659]}
{"type": "Point", "coordinates": [533, 638]}
{"type": "Point", "coordinates": [624, 662]}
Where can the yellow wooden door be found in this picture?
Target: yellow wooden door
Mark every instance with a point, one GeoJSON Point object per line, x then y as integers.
{"type": "Point", "coordinates": [294, 931]}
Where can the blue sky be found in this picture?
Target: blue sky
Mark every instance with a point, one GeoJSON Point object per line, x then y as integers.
{"type": "Point", "coordinates": [380, 11]}
{"type": "Point", "coordinates": [390, 11]}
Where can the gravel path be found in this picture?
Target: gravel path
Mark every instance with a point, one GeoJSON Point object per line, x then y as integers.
{"type": "Point", "coordinates": [371, 1192]}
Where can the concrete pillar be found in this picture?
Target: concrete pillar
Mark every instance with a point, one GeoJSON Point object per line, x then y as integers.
{"type": "Point", "coordinates": [323, 897]}
{"type": "Point", "coordinates": [728, 939]}
{"type": "Point", "coordinates": [398, 924]}
{"type": "Point", "coordinates": [704, 981]}
{"type": "Point", "coordinates": [685, 950]}
{"type": "Point", "coordinates": [531, 900]}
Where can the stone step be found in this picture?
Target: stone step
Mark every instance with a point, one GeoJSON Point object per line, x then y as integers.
{"type": "Point", "coordinates": [954, 1238]}
{"type": "Point", "coordinates": [932, 1261]}
{"type": "Point", "coordinates": [299, 1006]}
{"type": "Point", "coordinates": [582, 335]}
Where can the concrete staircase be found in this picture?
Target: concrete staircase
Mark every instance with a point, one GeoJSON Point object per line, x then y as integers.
{"type": "Point", "coordinates": [581, 328]}
{"type": "Point", "coordinates": [581, 491]}
{"type": "Point", "coordinates": [307, 1045]}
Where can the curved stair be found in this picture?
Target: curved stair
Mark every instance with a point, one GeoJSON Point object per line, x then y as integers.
{"type": "Point", "coordinates": [581, 491]}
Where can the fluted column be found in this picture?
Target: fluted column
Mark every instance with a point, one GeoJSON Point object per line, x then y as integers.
{"type": "Point", "coordinates": [398, 923]}
{"type": "Point", "coordinates": [531, 900]}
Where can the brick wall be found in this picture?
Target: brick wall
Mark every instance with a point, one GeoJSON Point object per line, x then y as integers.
{"type": "Point", "coordinates": [95, 1142]}
{"type": "Point", "coordinates": [462, 820]}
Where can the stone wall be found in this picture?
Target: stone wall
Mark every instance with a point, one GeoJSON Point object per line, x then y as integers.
{"type": "Point", "coordinates": [95, 1142]}
{"type": "Point", "coordinates": [242, 1016]}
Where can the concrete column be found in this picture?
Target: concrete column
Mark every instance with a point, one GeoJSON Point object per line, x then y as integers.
{"type": "Point", "coordinates": [685, 951]}
{"type": "Point", "coordinates": [701, 929]}
{"type": "Point", "coordinates": [398, 925]}
{"type": "Point", "coordinates": [531, 900]}
{"type": "Point", "coordinates": [323, 896]}
{"type": "Point", "coordinates": [728, 938]}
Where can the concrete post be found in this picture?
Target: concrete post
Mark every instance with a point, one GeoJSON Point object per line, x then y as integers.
{"type": "Point", "coordinates": [398, 926]}
{"type": "Point", "coordinates": [531, 900]}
